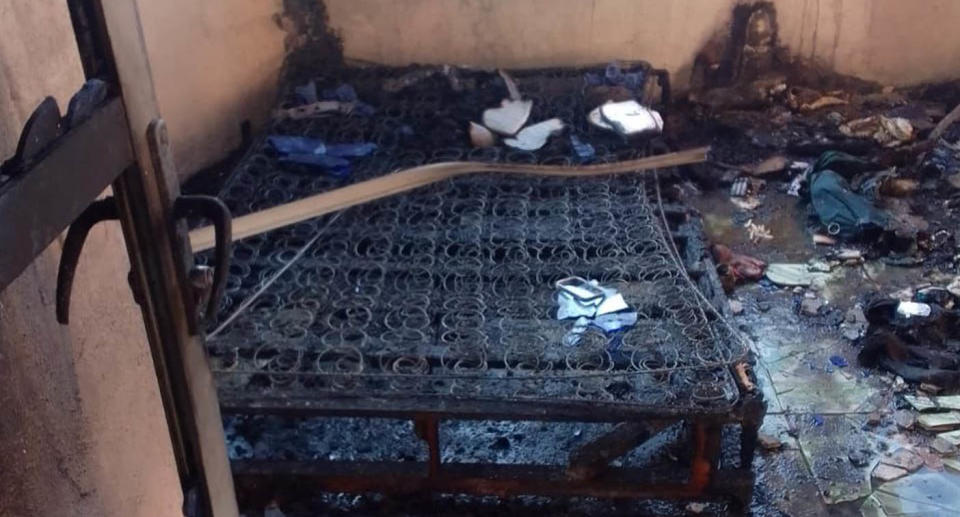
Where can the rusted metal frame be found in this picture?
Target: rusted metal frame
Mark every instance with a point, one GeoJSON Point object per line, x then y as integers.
{"type": "Point", "coordinates": [753, 410]}
{"type": "Point", "coordinates": [135, 227]}
{"type": "Point", "coordinates": [589, 473]}
{"type": "Point", "coordinates": [593, 458]}
{"type": "Point", "coordinates": [160, 308]}
{"type": "Point", "coordinates": [37, 205]}
{"type": "Point", "coordinates": [93, 43]}
{"type": "Point", "coordinates": [266, 480]}
{"type": "Point", "coordinates": [409, 407]}
{"type": "Point", "coordinates": [180, 359]}
{"type": "Point", "coordinates": [427, 427]}
{"type": "Point", "coordinates": [145, 197]}
{"type": "Point", "coordinates": [706, 438]}
{"type": "Point", "coordinates": [98, 211]}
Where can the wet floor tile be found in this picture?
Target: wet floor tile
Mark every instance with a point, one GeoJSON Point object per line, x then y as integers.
{"type": "Point", "coordinates": [769, 392]}
{"type": "Point", "coordinates": [785, 486]}
{"type": "Point", "coordinates": [925, 493]}
{"type": "Point", "coordinates": [839, 453]}
{"type": "Point", "coordinates": [778, 427]}
{"type": "Point", "coordinates": [808, 383]}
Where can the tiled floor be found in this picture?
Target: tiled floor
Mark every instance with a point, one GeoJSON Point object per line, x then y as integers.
{"type": "Point", "coordinates": [820, 413]}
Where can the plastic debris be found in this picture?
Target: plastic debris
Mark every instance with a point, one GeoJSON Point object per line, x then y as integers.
{"type": "Point", "coordinates": [84, 102]}
{"type": "Point", "coordinates": [746, 203]}
{"type": "Point", "coordinates": [451, 73]}
{"type": "Point", "coordinates": [823, 240]}
{"type": "Point", "coordinates": [838, 361]}
{"type": "Point", "coordinates": [310, 110]}
{"type": "Point", "coordinates": [937, 295]}
{"type": "Point", "coordinates": [736, 307]}
{"type": "Point", "coordinates": [592, 305]}
{"type": "Point", "coordinates": [309, 102]}
{"type": "Point", "coordinates": [535, 136]}
{"type": "Point", "coordinates": [789, 275]}
{"type": "Point", "coordinates": [757, 232]}
{"type": "Point", "coordinates": [342, 93]}
{"type": "Point", "coordinates": [930, 388]}
{"type": "Point", "coordinates": [739, 187]}
{"type": "Point", "coordinates": [615, 321]}
{"type": "Point", "coordinates": [954, 286]}
{"type": "Point", "coordinates": [954, 180]}
{"type": "Point", "coordinates": [580, 288]}
{"type": "Point", "coordinates": [859, 458]}
{"type": "Point", "coordinates": [509, 117]}
{"type": "Point", "coordinates": [913, 345]}
{"type": "Point", "coordinates": [796, 184]}
{"type": "Point", "coordinates": [887, 131]}
{"type": "Point", "coordinates": [854, 323]}
{"type": "Point", "coordinates": [481, 137]}
{"type": "Point", "coordinates": [847, 256]}
{"type": "Point", "coordinates": [273, 510]}
{"type": "Point", "coordinates": [823, 102]}
{"type": "Point", "coordinates": [307, 93]}
{"type": "Point", "coordinates": [513, 93]}
{"type": "Point", "coordinates": [584, 151]}
{"type": "Point", "coordinates": [615, 75]}
{"type": "Point", "coordinates": [626, 118]}
{"type": "Point", "coordinates": [910, 309]}
{"type": "Point", "coordinates": [766, 167]}
{"type": "Point", "coordinates": [811, 304]}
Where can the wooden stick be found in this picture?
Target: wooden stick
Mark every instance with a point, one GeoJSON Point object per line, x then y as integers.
{"type": "Point", "coordinates": [409, 179]}
{"type": "Point", "coordinates": [593, 458]}
{"type": "Point", "coordinates": [944, 124]}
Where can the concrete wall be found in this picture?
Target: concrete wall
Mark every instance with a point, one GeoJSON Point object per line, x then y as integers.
{"type": "Point", "coordinates": [892, 41]}
{"type": "Point", "coordinates": [82, 431]}
{"type": "Point", "coordinates": [215, 64]}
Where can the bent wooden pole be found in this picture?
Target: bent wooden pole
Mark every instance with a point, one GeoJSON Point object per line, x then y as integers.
{"type": "Point", "coordinates": [409, 179]}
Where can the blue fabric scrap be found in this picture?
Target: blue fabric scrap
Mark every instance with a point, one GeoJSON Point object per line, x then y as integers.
{"type": "Point", "coordinates": [839, 361]}
{"type": "Point", "coordinates": [584, 151]}
{"type": "Point", "coordinates": [333, 158]}
{"type": "Point", "coordinates": [307, 93]}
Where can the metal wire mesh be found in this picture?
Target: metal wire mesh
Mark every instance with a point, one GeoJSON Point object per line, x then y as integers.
{"type": "Point", "coordinates": [448, 291]}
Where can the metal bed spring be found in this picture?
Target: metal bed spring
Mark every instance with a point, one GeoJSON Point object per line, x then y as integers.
{"type": "Point", "coordinates": [447, 291]}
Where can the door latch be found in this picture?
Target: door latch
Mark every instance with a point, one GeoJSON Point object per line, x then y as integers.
{"type": "Point", "coordinates": [204, 284]}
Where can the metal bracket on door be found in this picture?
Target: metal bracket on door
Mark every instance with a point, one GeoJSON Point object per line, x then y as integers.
{"type": "Point", "coordinates": [184, 206]}
{"type": "Point", "coordinates": [203, 285]}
